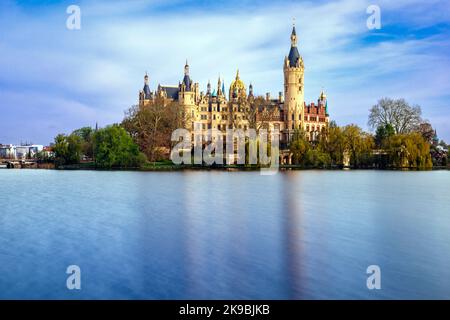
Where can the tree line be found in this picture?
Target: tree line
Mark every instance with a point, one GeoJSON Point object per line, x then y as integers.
{"type": "Point", "coordinates": [401, 138]}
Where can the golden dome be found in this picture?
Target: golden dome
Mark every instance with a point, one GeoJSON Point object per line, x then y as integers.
{"type": "Point", "coordinates": [323, 96]}
{"type": "Point", "coordinates": [237, 85]}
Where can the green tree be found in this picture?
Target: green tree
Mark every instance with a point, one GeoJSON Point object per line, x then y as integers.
{"type": "Point", "coordinates": [67, 149]}
{"type": "Point", "coordinates": [114, 148]}
{"type": "Point", "coordinates": [332, 142]}
{"type": "Point", "coordinates": [383, 132]}
{"type": "Point", "coordinates": [86, 134]}
{"type": "Point", "coordinates": [315, 157]}
{"type": "Point", "coordinates": [409, 151]}
{"type": "Point", "coordinates": [299, 147]}
{"type": "Point", "coordinates": [359, 145]}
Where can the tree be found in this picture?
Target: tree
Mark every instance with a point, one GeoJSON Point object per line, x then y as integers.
{"type": "Point", "coordinates": [67, 149]}
{"type": "Point", "coordinates": [332, 142]}
{"type": "Point", "coordinates": [86, 135]}
{"type": "Point", "coordinates": [257, 112]}
{"type": "Point", "coordinates": [359, 145]}
{"type": "Point", "coordinates": [151, 126]}
{"type": "Point", "coordinates": [409, 151]}
{"type": "Point", "coordinates": [427, 131]}
{"type": "Point", "coordinates": [114, 148]}
{"type": "Point", "coordinates": [299, 147]}
{"type": "Point", "coordinates": [397, 113]}
{"type": "Point", "coordinates": [383, 132]}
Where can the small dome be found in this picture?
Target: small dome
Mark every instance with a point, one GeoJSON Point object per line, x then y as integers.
{"type": "Point", "coordinates": [237, 85]}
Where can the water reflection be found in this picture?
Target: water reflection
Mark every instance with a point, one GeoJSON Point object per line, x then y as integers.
{"type": "Point", "coordinates": [225, 235]}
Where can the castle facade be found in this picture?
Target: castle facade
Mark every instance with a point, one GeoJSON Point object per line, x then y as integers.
{"type": "Point", "coordinates": [214, 110]}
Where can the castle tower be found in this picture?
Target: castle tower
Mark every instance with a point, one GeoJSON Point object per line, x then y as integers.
{"type": "Point", "coordinates": [187, 94]}
{"type": "Point", "coordinates": [145, 93]}
{"type": "Point", "coordinates": [294, 100]}
{"type": "Point", "coordinates": [322, 102]}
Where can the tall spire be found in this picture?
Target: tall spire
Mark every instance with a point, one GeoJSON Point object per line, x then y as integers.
{"type": "Point", "coordinates": [293, 35]}
{"type": "Point", "coordinates": [219, 86]}
{"type": "Point", "coordinates": [294, 55]}
{"type": "Point", "coordinates": [187, 80]}
{"type": "Point", "coordinates": [146, 88]}
{"type": "Point", "coordinates": [186, 68]}
{"type": "Point", "coordinates": [322, 96]}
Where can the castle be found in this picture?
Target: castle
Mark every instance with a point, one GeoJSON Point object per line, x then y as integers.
{"type": "Point", "coordinates": [213, 110]}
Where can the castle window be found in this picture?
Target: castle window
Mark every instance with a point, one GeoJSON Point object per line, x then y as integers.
{"type": "Point", "coordinates": [299, 117]}
{"type": "Point", "coordinates": [214, 117]}
{"type": "Point", "coordinates": [292, 117]}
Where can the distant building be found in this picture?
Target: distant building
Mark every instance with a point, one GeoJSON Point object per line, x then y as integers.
{"type": "Point", "coordinates": [21, 152]}
{"type": "Point", "coordinates": [7, 151]}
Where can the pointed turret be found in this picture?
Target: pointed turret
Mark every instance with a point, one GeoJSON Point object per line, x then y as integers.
{"type": "Point", "coordinates": [146, 88]}
{"type": "Point", "coordinates": [187, 80]}
{"type": "Point", "coordinates": [208, 88]}
{"type": "Point", "coordinates": [219, 87]}
{"type": "Point", "coordinates": [223, 87]}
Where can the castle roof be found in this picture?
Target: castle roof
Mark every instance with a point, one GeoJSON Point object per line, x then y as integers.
{"type": "Point", "coordinates": [171, 92]}
{"type": "Point", "coordinates": [187, 82]}
{"type": "Point", "coordinates": [146, 91]}
{"type": "Point", "coordinates": [294, 55]}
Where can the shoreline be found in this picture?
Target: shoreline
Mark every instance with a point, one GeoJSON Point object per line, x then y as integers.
{"type": "Point", "coordinates": [232, 168]}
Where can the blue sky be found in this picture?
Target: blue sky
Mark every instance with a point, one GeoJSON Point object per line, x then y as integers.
{"type": "Point", "coordinates": [54, 80]}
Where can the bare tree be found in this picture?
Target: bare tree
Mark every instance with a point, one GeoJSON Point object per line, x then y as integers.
{"type": "Point", "coordinates": [397, 113]}
{"type": "Point", "coordinates": [259, 113]}
{"type": "Point", "coordinates": [151, 126]}
{"type": "Point", "coordinates": [427, 131]}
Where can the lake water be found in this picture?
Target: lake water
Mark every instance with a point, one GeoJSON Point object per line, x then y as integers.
{"type": "Point", "coordinates": [224, 235]}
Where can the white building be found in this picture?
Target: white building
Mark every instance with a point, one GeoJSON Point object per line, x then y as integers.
{"type": "Point", "coordinates": [7, 151]}
{"type": "Point", "coordinates": [10, 151]}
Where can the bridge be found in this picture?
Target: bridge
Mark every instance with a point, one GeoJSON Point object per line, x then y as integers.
{"type": "Point", "coordinates": [16, 164]}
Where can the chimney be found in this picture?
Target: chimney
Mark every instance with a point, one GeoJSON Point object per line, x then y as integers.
{"type": "Point", "coordinates": [280, 96]}
{"type": "Point", "coordinates": [268, 96]}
